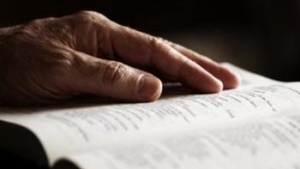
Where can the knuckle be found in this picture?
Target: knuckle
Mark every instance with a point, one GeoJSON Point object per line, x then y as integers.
{"type": "Point", "coordinates": [89, 15]}
{"type": "Point", "coordinates": [163, 46]}
{"type": "Point", "coordinates": [113, 72]}
{"type": "Point", "coordinates": [160, 38]}
{"type": "Point", "coordinates": [86, 13]}
{"type": "Point", "coordinates": [155, 42]}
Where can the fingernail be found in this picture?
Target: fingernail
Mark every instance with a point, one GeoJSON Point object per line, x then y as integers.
{"type": "Point", "coordinates": [149, 88]}
{"type": "Point", "coordinates": [219, 86]}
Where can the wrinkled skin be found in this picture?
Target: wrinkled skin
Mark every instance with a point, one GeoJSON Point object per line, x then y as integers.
{"type": "Point", "coordinates": [53, 59]}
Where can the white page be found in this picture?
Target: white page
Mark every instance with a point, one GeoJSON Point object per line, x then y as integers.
{"type": "Point", "coordinates": [249, 78]}
{"type": "Point", "coordinates": [267, 143]}
{"type": "Point", "coordinates": [63, 131]}
{"type": "Point", "coordinates": [68, 131]}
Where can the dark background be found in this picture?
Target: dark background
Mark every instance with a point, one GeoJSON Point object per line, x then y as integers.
{"type": "Point", "coordinates": [260, 35]}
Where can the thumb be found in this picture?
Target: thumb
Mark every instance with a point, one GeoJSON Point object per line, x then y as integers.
{"type": "Point", "coordinates": [114, 79]}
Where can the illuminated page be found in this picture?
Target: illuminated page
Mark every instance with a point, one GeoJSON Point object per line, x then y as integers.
{"type": "Point", "coordinates": [268, 143]}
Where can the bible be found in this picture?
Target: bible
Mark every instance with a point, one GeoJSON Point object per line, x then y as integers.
{"type": "Point", "coordinates": [254, 126]}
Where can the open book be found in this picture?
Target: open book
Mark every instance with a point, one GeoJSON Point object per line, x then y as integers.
{"type": "Point", "coordinates": [254, 126]}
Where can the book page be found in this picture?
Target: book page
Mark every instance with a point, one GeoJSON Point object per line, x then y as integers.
{"type": "Point", "coordinates": [267, 143]}
{"type": "Point", "coordinates": [68, 130]}
{"type": "Point", "coordinates": [249, 78]}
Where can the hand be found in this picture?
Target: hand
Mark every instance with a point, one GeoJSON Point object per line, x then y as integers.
{"type": "Point", "coordinates": [53, 59]}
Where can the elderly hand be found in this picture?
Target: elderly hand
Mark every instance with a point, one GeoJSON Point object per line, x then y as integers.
{"type": "Point", "coordinates": [53, 59]}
